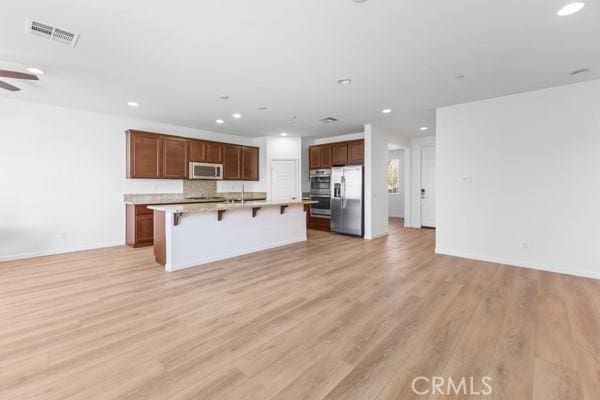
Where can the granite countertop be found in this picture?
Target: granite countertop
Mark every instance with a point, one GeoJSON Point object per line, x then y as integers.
{"type": "Point", "coordinates": [202, 208]}
{"type": "Point", "coordinates": [175, 198]}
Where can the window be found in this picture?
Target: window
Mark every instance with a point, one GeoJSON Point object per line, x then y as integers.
{"type": "Point", "coordinates": [393, 178]}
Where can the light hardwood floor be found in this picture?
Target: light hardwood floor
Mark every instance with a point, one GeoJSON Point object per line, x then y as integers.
{"type": "Point", "coordinates": [332, 318]}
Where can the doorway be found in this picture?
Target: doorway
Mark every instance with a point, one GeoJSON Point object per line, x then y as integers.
{"type": "Point", "coordinates": [428, 187]}
{"type": "Point", "coordinates": [398, 184]}
{"type": "Point", "coordinates": [395, 183]}
{"type": "Point", "coordinates": [284, 180]}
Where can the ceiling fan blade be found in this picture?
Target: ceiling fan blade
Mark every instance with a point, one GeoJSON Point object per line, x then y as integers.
{"type": "Point", "coordinates": [18, 75]}
{"type": "Point", "coordinates": [8, 86]}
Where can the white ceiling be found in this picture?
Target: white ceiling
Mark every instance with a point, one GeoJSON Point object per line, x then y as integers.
{"type": "Point", "coordinates": [176, 58]}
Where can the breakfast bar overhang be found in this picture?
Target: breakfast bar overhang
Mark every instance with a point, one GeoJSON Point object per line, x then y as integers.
{"type": "Point", "coordinates": [189, 235]}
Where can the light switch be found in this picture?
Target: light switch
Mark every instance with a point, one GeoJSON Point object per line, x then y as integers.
{"type": "Point", "coordinates": [466, 179]}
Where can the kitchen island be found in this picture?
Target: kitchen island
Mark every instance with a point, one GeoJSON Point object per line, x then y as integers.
{"type": "Point", "coordinates": [188, 235]}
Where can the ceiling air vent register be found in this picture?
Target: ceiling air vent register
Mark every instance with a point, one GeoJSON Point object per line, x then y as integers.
{"type": "Point", "coordinates": [49, 32]}
{"type": "Point", "coordinates": [328, 120]}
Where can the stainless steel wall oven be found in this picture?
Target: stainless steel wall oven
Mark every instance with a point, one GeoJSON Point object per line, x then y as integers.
{"type": "Point", "coordinates": [320, 191]}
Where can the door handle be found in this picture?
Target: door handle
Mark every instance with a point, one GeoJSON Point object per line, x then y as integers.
{"type": "Point", "coordinates": [343, 192]}
{"type": "Point", "coordinates": [422, 193]}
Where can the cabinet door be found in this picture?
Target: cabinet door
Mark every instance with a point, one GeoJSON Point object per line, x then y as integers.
{"type": "Point", "coordinates": [326, 156]}
{"type": "Point", "coordinates": [144, 228]}
{"type": "Point", "coordinates": [143, 155]}
{"type": "Point", "coordinates": [314, 155]}
{"type": "Point", "coordinates": [232, 162]}
{"type": "Point", "coordinates": [197, 151]}
{"type": "Point", "coordinates": [339, 154]}
{"type": "Point", "coordinates": [250, 163]}
{"type": "Point", "coordinates": [356, 152]}
{"type": "Point", "coordinates": [214, 152]}
{"type": "Point", "coordinates": [175, 158]}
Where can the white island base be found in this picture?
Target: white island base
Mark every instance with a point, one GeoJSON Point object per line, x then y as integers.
{"type": "Point", "coordinates": [191, 235]}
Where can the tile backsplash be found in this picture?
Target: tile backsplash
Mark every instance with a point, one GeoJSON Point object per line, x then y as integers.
{"type": "Point", "coordinates": [199, 188]}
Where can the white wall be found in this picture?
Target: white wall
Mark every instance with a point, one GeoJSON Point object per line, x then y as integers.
{"type": "Point", "coordinates": [376, 194]}
{"type": "Point", "coordinates": [304, 173]}
{"type": "Point", "coordinates": [534, 163]}
{"type": "Point", "coordinates": [396, 200]}
{"type": "Point", "coordinates": [340, 138]}
{"type": "Point", "coordinates": [62, 176]}
{"type": "Point", "coordinates": [416, 146]}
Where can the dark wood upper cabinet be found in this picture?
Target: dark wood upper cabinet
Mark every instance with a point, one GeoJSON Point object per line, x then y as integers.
{"type": "Point", "coordinates": [339, 154]}
{"type": "Point", "coordinates": [356, 152]}
{"type": "Point", "coordinates": [320, 156]}
{"type": "Point", "coordinates": [175, 158]}
{"type": "Point", "coordinates": [314, 156]}
{"type": "Point", "coordinates": [154, 155]}
{"type": "Point", "coordinates": [143, 155]}
{"type": "Point", "coordinates": [232, 162]}
{"type": "Point", "coordinates": [336, 154]}
{"type": "Point", "coordinates": [326, 156]}
{"type": "Point", "coordinates": [214, 152]}
{"type": "Point", "coordinates": [250, 163]}
{"type": "Point", "coordinates": [197, 151]}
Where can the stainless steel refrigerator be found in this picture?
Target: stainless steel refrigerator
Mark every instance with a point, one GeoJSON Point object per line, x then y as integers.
{"type": "Point", "coordinates": [347, 216]}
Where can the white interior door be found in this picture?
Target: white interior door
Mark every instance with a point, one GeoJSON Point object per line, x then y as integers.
{"type": "Point", "coordinates": [284, 180]}
{"type": "Point", "coordinates": [428, 186]}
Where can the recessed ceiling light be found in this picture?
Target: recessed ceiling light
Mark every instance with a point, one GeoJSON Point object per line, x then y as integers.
{"type": "Point", "coordinates": [344, 81]}
{"type": "Point", "coordinates": [262, 108]}
{"type": "Point", "coordinates": [386, 110]}
{"type": "Point", "coordinates": [237, 115]}
{"type": "Point", "coordinates": [224, 97]}
{"type": "Point", "coordinates": [283, 134]}
{"type": "Point", "coordinates": [36, 71]}
{"type": "Point", "coordinates": [570, 8]}
{"type": "Point", "coordinates": [132, 104]}
{"type": "Point", "coordinates": [423, 128]}
{"type": "Point", "coordinates": [220, 121]}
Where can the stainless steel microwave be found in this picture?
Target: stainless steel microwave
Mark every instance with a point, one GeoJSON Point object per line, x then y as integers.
{"type": "Point", "coordinates": [200, 170]}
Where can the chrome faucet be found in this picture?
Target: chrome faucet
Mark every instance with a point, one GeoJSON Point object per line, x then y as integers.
{"type": "Point", "coordinates": [243, 194]}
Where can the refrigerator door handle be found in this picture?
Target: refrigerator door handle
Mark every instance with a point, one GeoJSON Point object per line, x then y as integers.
{"type": "Point", "coordinates": [343, 192]}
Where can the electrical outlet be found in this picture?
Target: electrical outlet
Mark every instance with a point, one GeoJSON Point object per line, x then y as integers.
{"type": "Point", "coordinates": [466, 179]}
{"type": "Point", "coordinates": [524, 245]}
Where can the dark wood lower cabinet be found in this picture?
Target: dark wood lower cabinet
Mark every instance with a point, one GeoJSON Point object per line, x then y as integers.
{"type": "Point", "coordinates": [160, 241]}
{"type": "Point", "coordinates": [316, 223]}
{"type": "Point", "coordinates": [139, 225]}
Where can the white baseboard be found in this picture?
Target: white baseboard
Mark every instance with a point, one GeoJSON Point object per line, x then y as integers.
{"type": "Point", "coordinates": [519, 263]}
{"type": "Point", "coordinates": [379, 235]}
{"type": "Point", "coordinates": [22, 256]}
{"type": "Point", "coordinates": [178, 267]}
